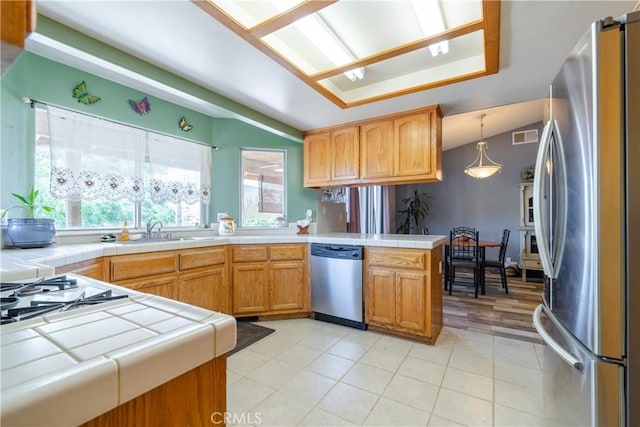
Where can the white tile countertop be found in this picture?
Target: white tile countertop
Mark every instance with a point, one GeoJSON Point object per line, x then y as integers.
{"type": "Point", "coordinates": [67, 368]}
{"type": "Point", "coordinates": [19, 264]}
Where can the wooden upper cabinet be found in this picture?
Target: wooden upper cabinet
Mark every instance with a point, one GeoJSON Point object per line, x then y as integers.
{"type": "Point", "coordinates": [345, 144]}
{"type": "Point", "coordinates": [18, 20]}
{"type": "Point", "coordinates": [377, 151]}
{"type": "Point", "coordinates": [317, 159]}
{"type": "Point", "coordinates": [399, 149]}
{"type": "Point", "coordinates": [413, 145]}
{"type": "Point", "coordinates": [332, 157]}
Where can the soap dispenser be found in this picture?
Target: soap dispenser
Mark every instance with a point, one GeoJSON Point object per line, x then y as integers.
{"type": "Point", "coordinates": [124, 232]}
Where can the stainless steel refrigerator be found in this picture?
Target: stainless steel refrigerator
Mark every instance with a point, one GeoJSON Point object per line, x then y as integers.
{"type": "Point", "coordinates": [586, 197]}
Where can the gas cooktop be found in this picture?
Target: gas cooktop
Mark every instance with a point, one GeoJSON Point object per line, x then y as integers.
{"type": "Point", "coordinates": [27, 300]}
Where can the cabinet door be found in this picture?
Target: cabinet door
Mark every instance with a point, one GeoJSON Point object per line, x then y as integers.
{"type": "Point", "coordinates": [346, 155]}
{"type": "Point", "coordinates": [413, 145]}
{"type": "Point", "coordinates": [287, 286]}
{"type": "Point", "coordinates": [410, 301]}
{"type": "Point", "coordinates": [205, 288]}
{"type": "Point", "coordinates": [380, 297]}
{"type": "Point", "coordinates": [317, 159]}
{"type": "Point", "coordinates": [377, 150]}
{"type": "Point", "coordinates": [250, 288]}
{"type": "Point", "coordinates": [164, 286]}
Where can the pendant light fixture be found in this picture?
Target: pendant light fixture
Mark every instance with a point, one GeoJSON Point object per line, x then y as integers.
{"type": "Point", "coordinates": [482, 166]}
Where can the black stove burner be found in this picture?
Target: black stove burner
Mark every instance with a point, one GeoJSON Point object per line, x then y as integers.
{"type": "Point", "coordinates": [28, 290]}
{"type": "Point", "coordinates": [39, 286]}
{"type": "Point", "coordinates": [48, 295]}
{"type": "Point", "coordinates": [38, 309]}
{"type": "Point", "coordinates": [8, 302]}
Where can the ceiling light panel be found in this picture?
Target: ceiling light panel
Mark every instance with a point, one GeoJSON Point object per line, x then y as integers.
{"type": "Point", "coordinates": [374, 26]}
{"type": "Point", "coordinates": [458, 13]}
{"type": "Point", "coordinates": [417, 69]}
{"type": "Point", "coordinates": [250, 13]}
{"type": "Point", "coordinates": [359, 51]}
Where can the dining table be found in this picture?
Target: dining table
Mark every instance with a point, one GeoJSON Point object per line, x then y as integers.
{"type": "Point", "coordinates": [482, 246]}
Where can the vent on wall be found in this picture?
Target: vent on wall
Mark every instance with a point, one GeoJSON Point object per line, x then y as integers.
{"type": "Point", "coordinates": [524, 136]}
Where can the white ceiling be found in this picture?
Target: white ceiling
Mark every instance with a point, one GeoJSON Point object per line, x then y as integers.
{"type": "Point", "coordinates": [178, 36]}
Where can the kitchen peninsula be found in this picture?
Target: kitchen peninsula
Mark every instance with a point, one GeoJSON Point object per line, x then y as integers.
{"type": "Point", "coordinates": [83, 379]}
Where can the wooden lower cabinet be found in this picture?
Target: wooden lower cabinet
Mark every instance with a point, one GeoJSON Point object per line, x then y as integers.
{"type": "Point", "coordinates": [286, 290]}
{"type": "Point", "coordinates": [411, 287]}
{"type": "Point", "coordinates": [273, 282]}
{"type": "Point", "coordinates": [250, 288]}
{"type": "Point", "coordinates": [204, 278]}
{"type": "Point", "coordinates": [195, 398]}
{"type": "Point", "coordinates": [205, 288]}
{"type": "Point", "coordinates": [165, 285]}
{"type": "Point", "coordinates": [396, 299]}
{"type": "Point", "coordinates": [195, 276]}
{"type": "Point", "coordinates": [380, 297]}
{"type": "Point", "coordinates": [403, 291]}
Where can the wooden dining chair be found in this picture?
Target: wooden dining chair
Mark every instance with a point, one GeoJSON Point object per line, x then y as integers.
{"type": "Point", "coordinates": [464, 253]}
{"type": "Point", "coordinates": [499, 263]}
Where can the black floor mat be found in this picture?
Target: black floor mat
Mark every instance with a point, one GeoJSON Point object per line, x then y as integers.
{"type": "Point", "coordinates": [249, 333]}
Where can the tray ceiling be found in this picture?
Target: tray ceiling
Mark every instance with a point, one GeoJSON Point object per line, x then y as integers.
{"type": "Point", "coordinates": [344, 51]}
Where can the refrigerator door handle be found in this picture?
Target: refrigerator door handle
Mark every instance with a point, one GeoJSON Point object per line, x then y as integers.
{"type": "Point", "coordinates": [557, 348]}
{"type": "Point", "coordinates": [538, 196]}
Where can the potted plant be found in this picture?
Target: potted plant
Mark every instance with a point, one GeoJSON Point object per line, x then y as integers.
{"type": "Point", "coordinates": [417, 208]}
{"type": "Point", "coordinates": [29, 232]}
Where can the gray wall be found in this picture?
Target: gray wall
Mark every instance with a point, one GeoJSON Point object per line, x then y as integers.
{"type": "Point", "coordinates": [490, 204]}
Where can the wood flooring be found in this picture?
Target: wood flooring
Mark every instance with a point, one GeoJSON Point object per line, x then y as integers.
{"type": "Point", "coordinates": [494, 313]}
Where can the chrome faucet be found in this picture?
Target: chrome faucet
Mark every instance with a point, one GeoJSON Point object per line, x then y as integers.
{"type": "Point", "coordinates": [150, 227]}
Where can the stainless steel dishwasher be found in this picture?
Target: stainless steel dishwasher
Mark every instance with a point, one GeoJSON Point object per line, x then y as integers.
{"type": "Point", "coordinates": [336, 284]}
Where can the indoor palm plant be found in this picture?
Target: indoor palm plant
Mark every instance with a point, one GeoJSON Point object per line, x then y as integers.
{"type": "Point", "coordinates": [417, 209]}
{"type": "Point", "coordinates": [29, 231]}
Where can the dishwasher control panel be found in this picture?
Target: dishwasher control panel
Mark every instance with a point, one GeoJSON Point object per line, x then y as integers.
{"type": "Point", "coordinates": [337, 251]}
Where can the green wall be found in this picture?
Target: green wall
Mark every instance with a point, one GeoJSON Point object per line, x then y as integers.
{"type": "Point", "coordinates": [44, 80]}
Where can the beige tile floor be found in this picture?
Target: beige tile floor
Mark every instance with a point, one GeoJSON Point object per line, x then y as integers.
{"type": "Point", "coordinates": [311, 373]}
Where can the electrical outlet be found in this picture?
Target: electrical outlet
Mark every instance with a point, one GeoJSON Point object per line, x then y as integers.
{"type": "Point", "coordinates": [508, 259]}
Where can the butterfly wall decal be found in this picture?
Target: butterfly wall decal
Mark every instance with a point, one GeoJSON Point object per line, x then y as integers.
{"type": "Point", "coordinates": [184, 125]}
{"type": "Point", "coordinates": [83, 96]}
{"type": "Point", "coordinates": [143, 107]}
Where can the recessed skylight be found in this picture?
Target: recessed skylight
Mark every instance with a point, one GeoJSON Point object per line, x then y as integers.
{"type": "Point", "coordinates": [356, 52]}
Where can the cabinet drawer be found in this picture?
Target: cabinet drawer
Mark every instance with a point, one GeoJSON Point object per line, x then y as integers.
{"type": "Point", "coordinates": [249, 253]}
{"type": "Point", "coordinates": [287, 252]}
{"type": "Point", "coordinates": [133, 266]}
{"type": "Point", "coordinates": [203, 257]}
{"type": "Point", "coordinates": [164, 286]}
{"type": "Point", "coordinates": [398, 258]}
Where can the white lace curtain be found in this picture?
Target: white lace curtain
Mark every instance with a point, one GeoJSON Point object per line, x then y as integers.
{"type": "Point", "coordinates": [176, 169]}
{"type": "Point", "coordinates": [93, 158]}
